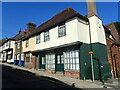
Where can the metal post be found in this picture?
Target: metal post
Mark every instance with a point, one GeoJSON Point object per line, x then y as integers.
{"type": "Point", "coordinates": [92, 68]}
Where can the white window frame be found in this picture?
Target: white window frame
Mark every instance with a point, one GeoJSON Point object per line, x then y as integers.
{"type": "Point", "coordinates": [71, 57]}
{"type": "Point", "coordinates": [27, 42]}
{"type": "Point", "coordinates": [61, 31]}
{"type": "Point", "coordinates": [37, 39]}
{"type": "Point", "coordinates": [50, 61]}
{"type": "Point", "coordinates": [46, 36]}
{"type": "Point", "coordinates": [18, 45]}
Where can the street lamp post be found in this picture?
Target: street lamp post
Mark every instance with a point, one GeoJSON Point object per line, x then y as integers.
{"type": "Point", "coordinates": [91, 59]}
{"type": "Point", "coordinates": [92, 68]}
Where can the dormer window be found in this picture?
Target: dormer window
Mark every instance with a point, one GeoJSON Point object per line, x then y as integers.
{"type": "Point", "coordinates": [61, 31]}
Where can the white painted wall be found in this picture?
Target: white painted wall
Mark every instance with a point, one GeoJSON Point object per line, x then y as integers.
{"type": "Point", "coordinates": [1, 53]}
{"type": "Point", "coordinates": [75, 31]}
{"type": "Point", "coordinates": [97, 34]}
{"type": "Point", "coordinates": [6, 47]}
{"type": "Point", "coordinates": [11, 45]}
{"type": "Point", "coordinates": [83, 32]}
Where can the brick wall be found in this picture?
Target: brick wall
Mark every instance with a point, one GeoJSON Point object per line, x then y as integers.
{"type": "Point", "coordinates": [114, 64]}
{"type": "Point", "coordinates": [33, 64]}
{"type": "Point", "coordinates": [72, 74]}
{"type": "Point", "coordinates": [50, 71]}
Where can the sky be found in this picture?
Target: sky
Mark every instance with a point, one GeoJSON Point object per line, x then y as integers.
{"type": "Point", "coordinates": [16, 15]}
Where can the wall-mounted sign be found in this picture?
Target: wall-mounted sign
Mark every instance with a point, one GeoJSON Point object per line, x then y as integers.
{"type": "Point", "coordinates": [90, 52]}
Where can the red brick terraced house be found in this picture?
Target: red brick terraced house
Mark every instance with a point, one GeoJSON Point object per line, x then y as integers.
{"type": "Point", "coordinates": [113, 49]}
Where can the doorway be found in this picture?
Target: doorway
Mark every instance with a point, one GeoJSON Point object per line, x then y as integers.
{"type": "Point", "coordinates": [60, 63]}
{"type": "Point", "coordinates": [42, 62]}
{"type": "Point", "coordinates": [96, 67]}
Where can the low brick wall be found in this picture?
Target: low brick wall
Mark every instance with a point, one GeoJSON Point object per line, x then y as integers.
{"type": "Point", "coordinates": [50, 71]}
{"type": "Point", "coordinates": [33, 64]}
{"type": "Point", "coordinates": [72, 74]}
{"type": "Point", "coordinates": [28, 65]}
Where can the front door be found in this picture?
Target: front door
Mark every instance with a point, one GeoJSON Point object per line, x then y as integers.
{"type": "Point", "coordinates": [42, 62]}
{"type": "Point", "coordinates": [60, 63]}
{"type": "Point", "coordinates": [96, 69]}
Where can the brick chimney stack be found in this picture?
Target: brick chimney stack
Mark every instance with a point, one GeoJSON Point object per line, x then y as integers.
{"type": "Point", "coordinates": [31, 26]}
{"type": "Point", "coordinates": [91, 5]}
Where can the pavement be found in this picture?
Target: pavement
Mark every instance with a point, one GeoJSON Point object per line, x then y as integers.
{"type": "Point", "coordinates": [67, 80]}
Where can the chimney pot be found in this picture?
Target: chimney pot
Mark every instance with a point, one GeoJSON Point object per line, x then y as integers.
{"type": "Point", "coordinates": [31, 26]}
{"type": "Point", "coordinates": [19, 31]}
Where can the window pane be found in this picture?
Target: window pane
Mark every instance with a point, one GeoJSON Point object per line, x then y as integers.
{"type": "Point", "coordinates": [77, 60]}
{"type": "Point", "coordinates": [61, 31]}
{"type": "Point", "coordinates": [37, 39]}
{"type": "Point", "coordinates": [27, 43]}
{"type": "Point", "coordinates": [62, 59]}
{"type": "Point", "coordinates": [43, 60]}
{"type": "Point", "coordinates": [73, 66]}
{"type": "Point", "coordinates": [76, 53]}
{"type": "Point", "coordinates": [77, 66]}
{"type": "Point", "coordinates": [58, 59]}
{"type": "Point", "coordinates": [46, 36]}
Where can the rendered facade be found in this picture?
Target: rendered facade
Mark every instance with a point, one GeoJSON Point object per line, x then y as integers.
{"type": "Point", "coordinates": [69, 44]}
{"type": "Point", "coordinates": [64, 45]}
{"type": "Point", "coordinates": [8, 50]}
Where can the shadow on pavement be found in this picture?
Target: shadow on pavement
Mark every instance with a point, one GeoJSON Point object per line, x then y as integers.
{"type": "Point", "coordinates": [28, 77]}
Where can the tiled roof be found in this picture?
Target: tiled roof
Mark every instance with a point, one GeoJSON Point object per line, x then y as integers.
{"type": "Point", "coordinates": [114, 31]}
{"type": "Point", "coordinates": [20, 35]}
{"type": "Point", "coordinates": [3, 41]}
{"type": "Point", "coordinates": [57, 19]}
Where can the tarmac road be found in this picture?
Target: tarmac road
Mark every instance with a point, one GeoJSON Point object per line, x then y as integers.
{"type": "Point", "coordinates": [14, 78]}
